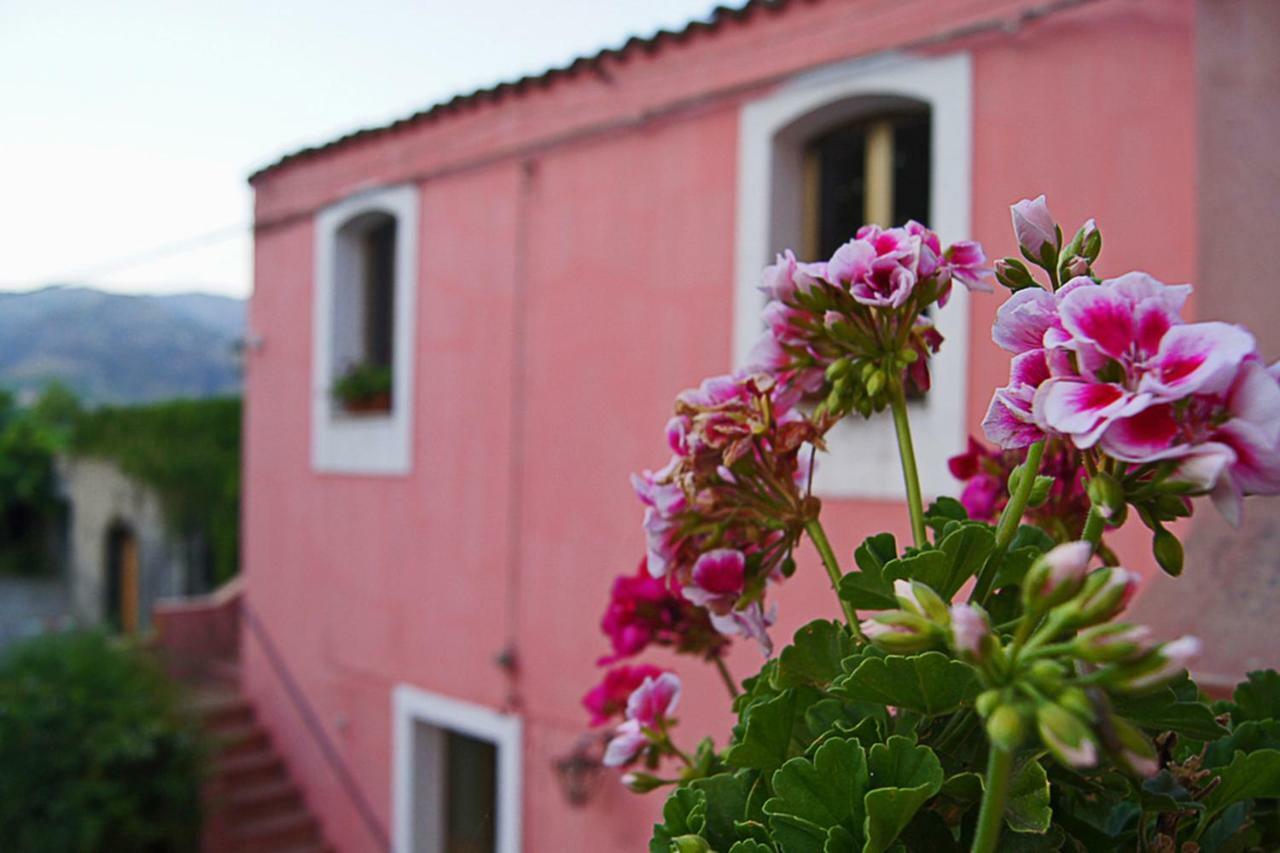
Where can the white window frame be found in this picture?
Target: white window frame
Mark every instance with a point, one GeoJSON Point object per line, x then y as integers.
{"type": "Point", "coordinates": [863, 458]}
{"type": "Point", "coordinates": [411, 706]}
{"type": "Point", "coordinates": [376, 443]}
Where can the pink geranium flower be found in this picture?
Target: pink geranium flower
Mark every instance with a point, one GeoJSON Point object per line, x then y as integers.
{"type": "Point", "coordinates": [609, 698]}
{"type": "Point", "coordinates": [649, 709]}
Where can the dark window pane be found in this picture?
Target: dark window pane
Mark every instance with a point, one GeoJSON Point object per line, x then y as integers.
{"type": "Point", "coordinates": [841, 157]}
{"type": "Point", "coordinates": [470, 794]}
{"type": "Point", "coordinates": [379, 282]}
{"type": "Point", "coordinates": [911, 168]}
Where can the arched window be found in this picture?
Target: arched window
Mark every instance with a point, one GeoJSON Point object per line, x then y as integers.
{"type": "Point", "coordinates": [366, 271]}
{"type": "Point", "coordinates": [364, 314]}
{"type": "Point", "coordinates": [880, 140]}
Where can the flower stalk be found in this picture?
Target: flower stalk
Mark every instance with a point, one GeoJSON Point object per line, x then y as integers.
{"type": "Point", "coordinates": [907, 453]}
{"type": "Point", "coordinates": [991, 814]}
{"type": "Point", "coordinates": [832, 565]}
{"type": "Point", "coordinates": [1009, 521]}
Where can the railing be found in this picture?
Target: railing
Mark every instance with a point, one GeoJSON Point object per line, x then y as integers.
{"type": "Point", "coordinates": [312, 722]}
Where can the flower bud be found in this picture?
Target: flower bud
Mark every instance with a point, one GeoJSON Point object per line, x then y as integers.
{"type": "Point", "coordinates": [1066, 736]}
{"type": "Point", "coordinates": [642, 783]}
{"type": "Point", "coordinates": [1110, 642]}
{"type": "Point", "coordinates": [1075, 267]}
{"type": "Point", "coordinates": [1168, 552]}
{"type": "Point", "coordinates": [987, 702]}
{"type": "Point", "coordinates": [970, 632]}
{"type": "Point", "coordinates": [1107, 495]}
{"type": "Point", "coordinates": [1013, 274]}
{"type": "Point", "coordinates": [1040, 490]}
{"type": "Point", "coordinates": [921, 600]}
{"type": "Point", "coordinates": [839, 368]}
{"type": "Point", "coordinates": [902, 631]}
{"type": "Point", "coordinates": [1006, 728]}
{"type": "Point", "coordinates": [1162, 665]}
{"type": "Point", "coordinates": [1077, 702]}
{"type": "Point", "coordinates": [690, 844]}
{"type": "Point", "coordinates": [1057, 575]}
{"type": "Point", "coordinates": [1047, 674]}
{"type": "Point", "coordinates": [1134, 751]}
{"type": "Point", "coordinates": [1106, 593]}
{"type": "Point", "coordinates": [1036, 231]}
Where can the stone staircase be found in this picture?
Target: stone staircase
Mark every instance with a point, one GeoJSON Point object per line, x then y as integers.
{"type": "Point", "coordinates": [252, 805]}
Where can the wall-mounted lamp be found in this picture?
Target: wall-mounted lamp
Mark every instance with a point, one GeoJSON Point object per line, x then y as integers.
{"type": "Point", "coordinates": [577, 770]}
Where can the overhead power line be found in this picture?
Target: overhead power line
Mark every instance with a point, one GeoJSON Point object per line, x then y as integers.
{"type": "Point", "coordinates": [165, 250]}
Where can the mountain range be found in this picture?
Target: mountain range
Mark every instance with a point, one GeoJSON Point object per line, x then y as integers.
{"type": "Point", "coordinates": [120, 348]}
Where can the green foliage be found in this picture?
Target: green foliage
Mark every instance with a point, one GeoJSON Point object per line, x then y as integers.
{"type": "Point", "coordinates": [94, 755]}
{"type": "Point", "coordinates": [189, 452]}
{"type": "Point", "coordinates": [842, 748]}
{"type": "Point", "coordinates": [363, 382]}
{"type": "Point", "coordinates": [30, 508]}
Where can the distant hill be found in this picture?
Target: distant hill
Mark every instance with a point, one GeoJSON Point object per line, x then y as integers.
{"type": "Point", "coordinates": [116, 348]}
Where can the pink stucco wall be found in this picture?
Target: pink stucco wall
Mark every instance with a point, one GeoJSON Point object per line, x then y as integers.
{"type": "Point", "coordinates": [603, 240]}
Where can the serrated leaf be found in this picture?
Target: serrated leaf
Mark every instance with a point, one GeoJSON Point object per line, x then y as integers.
{"type": "Point", "coordinates": [813, 796]}
{"type": "Point", "coordinates": [814, 656]}
{"type": "Point", "coordinates": [726, 803]}
{"type": "Point", "coordinates": [903, 777]}
{"type": "Point", "coordinates": [1163, 793]}
{"type": "Point", "coordinates": [1161, 711]}
{"type": "Point", "coordinates": [774, 731]}
{"type": "Point", "coordinates": [1258, 698]}
{"type": "Point", "coordinates": [840, 840]}
{"type": "Point", "coordinates": [1028, 808]}
{"type": "Point", "coordinates": [1249, 736]}
{"type": "Point", "coordinates": [869, 588]}
{"type": "Point", "coordinates": [684, 813]}
{"type": "Point", "coordinates": [752, 846]}
{"type": "Point", "coordinates": [1028, 536]}
{"type": "Point", "coordinates": [1249, 776]}
{"type": "Point", "coordinates": [930, 683]}
{"type": "Point", "coordinates": [966, 549]}
{"type": "Point", "coordinates": [965, 788]}
{"type": "Point", "coordinates": [1014, 565]}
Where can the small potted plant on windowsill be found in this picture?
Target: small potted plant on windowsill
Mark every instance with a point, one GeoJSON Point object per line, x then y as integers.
{"type": "Point", "coordinates": [364, 389]}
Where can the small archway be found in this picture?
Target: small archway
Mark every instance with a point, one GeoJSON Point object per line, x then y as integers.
{"type": "Point", "coordinates": [121, 559]}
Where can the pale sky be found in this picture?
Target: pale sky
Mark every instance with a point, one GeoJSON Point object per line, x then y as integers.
{"type": "Point", "coordinates": [128, 127]}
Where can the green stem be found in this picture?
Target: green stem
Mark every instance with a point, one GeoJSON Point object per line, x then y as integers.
{"type": "Point", "coordinates": [907, 452]}
{"type": "Point", "coordinates": [820, 541]}
{"type": "Point", "coordinates": [1093, 528]}
{"type": "Point", "coordinates": [726, 677]}
{"type": "Point", "coordinates": [1010, 518]}
{"type": "Point", "coordinates": [991, 815]}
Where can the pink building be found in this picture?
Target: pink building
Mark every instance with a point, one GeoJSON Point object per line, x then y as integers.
{"type": "Point", "coordinates": [540, 267]}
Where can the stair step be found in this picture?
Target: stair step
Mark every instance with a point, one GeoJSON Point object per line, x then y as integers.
{"type": "Point", "coordinates": [260, 801]}
{"type": "Point", "coordinates": [224, 672]}
{"type": "Point", "coordinates": [248, 771]}
{"type": "Point", "coordinates": [241, 739]}
{"type": "Point", "coordinates": [218, 709]}
{"type": "Point", "coordinates": [271, 834]}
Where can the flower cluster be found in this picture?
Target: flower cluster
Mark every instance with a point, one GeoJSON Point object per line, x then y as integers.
{"type": "Point", "coordinates": [1065, 645]}
{"type": "Point", "coordinates": [985, 472]}
{"type": "Point", "coordinates": [723, 516]}
{"type": "Point", "coordinates": [1112, 366]}
{"type": "Point", "coordinates": [608, 699]}
{"type": "Point", "coordinates": [644, 610]}
{"type": "Point", "coordinates": [848, 329]}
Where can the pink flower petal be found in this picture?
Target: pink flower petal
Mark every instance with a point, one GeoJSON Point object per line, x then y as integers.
{"type": "Point", "coordinates": [1023, 319]}
{"type": "Point", "coordinates": [1101, 316]}
{"type": "Point", "coordinates": [1197, 358]}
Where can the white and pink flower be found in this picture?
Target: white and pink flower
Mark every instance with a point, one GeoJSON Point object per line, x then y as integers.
{"type": "Point", "coordinates": [649, 711]}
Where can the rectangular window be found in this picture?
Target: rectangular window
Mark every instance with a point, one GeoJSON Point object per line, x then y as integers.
{"type": "Point", "coordinates": [457, 776]}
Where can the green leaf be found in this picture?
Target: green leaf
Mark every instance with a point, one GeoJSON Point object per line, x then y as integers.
{"type": "Point", "coordinates": [941, 512]}
{"type": "Point", "coordinates": [684, 813]}
{"type": "Point", "coordinates": [930, 683]}
{"type": "Point", "coordinates": [1161, 712]}
{"type": "Point", "coordinates": [1258, 698]}
{"type": "Point", "coordinates": [1028, 536]}
{"type": "Point", "coordinates": [869, 588]}
{"type": "Point", "coordinates": [813, 796]}
{"type": "Point", "coordinates": [814, 656]}
{"type": "Point", "coordinates": [1163, 793]}
{"type": "Point", "coordinates": [966, 550]}
{"type": "Point", "coordinates": [1249, 736]}
{"type": "Point", "coordinates": [752, 846]}
{"type": "Point", "coordinates": [964, 788]}
{"type": "Point", "coordinates": [726, 803]}
{"type": "Point", "coordinates": [1028, 807]}
{"type": "Point", "coordinates": [1248, 777]}
{"type": "Point", "coordinates": [903, 777]}
{"type": "Point", "coordinates": [774, 731]}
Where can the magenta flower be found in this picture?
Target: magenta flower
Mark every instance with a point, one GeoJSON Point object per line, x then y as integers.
{"type": "Point", "coordinates": [1034, 226]}
{"type": "Point", "coordinates": [645, 610]}
{"type": "Point", "coordinates": [649, 709]}
{"type": "Point", "coordinates": [609, 698]}
{"type": "Point", "coordinates": [879, 266]}
{"type": "Point", "coordinates": [751, 622]}
{"type": "Point", "coordinates": [717, 580]}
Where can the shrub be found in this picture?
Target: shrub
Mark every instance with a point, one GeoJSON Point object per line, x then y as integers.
{"type": "Point", "coordinates": [94, 752]}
